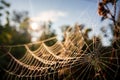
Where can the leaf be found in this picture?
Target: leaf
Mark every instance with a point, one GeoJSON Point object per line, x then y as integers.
{"type": "Point", "coordinates": [1, 7]}
{"type": "Point", "coordinates": [89, 29]}
{"type": "Point", "coordinates": [7, 13]}
{"type": "Point", "coordinates": [0, 14]}
{"type": "Point", "coordinates": [8, 36]}
{"type": "Point", "coordinates": [5, 3]}
{"type": "Point", "coordinates": [103, 18]}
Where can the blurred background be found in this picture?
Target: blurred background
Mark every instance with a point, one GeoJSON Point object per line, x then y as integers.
{"type": "Point", "coordinates": [29, 19]}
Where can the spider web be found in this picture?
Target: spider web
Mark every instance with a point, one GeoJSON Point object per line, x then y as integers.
{"type": "Point", "coordinates": [74, 58]}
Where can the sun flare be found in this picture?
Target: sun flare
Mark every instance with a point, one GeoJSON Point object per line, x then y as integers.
{"type": "Point", "coordinates": [34, 26]}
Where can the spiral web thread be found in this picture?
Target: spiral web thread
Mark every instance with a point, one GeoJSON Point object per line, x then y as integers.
{"type": "Point", "coordinates": [65, 60]}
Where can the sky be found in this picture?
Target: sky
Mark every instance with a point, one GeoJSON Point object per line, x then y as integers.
{"type": "Point", "coordinates": [62, 12]}
{"type": "Point", "coordinates": [59, 11]}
